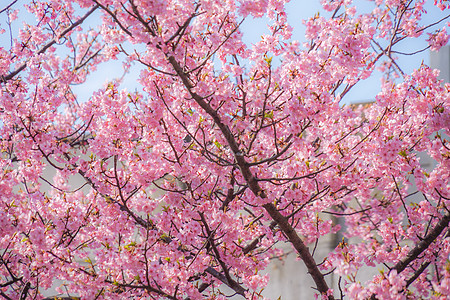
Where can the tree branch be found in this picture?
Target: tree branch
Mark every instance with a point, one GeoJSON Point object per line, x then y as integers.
{"type": "Point", "coordinates": [423, 244]}
{"type": "Point", "coordinates": [300, 247]}
{"type": "Point", "coordinates": [252, 182]}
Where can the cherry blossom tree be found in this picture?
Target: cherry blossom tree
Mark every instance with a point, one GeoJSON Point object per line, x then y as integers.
{"type": "Point", "coordinates": [185, 187]}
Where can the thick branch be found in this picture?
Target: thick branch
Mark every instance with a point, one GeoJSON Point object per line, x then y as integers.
{"type": "Point", "coordinates": [424, 244]}
{"type": "Point", "coordinates": [416, 251]}
{"type": "Point", "coordinates": [239, 156]}
{"type": "Point", "coordinates": [288, 230]}
{"type": "Point", "coordinates": [300, 247]}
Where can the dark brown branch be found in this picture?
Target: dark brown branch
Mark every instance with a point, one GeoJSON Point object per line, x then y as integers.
{"type": "Point", "coordinates": [417, 273]}
{"type": "Point", "coordinates": [423, 245]}
{"type": "Point", "coordinates": [227, 277]}
{"type": "Point", "coordinates": [418, 249]}
{"type": "Point", "coordinates": [122, 207]}
{"type": "Point", "coordinates": [181, 30]}
{"type": "Point", "coordinates": [373, 129]}
{"type": "Point", "coordinates": [300, 247]}
{"type": "Point", "coordinates": [273, 157]}
{"type": "Point", "coordinates": [24, 293]}
{"type": "Point", "coordinates": [239, 156]}
{"type": "Point", "coordinates": [148, 288]}
{"type": "Point", "coordinates": [8, 6]}
{"type": "Point", "coordinates": [114, 17]}
{"type": "Point", "coordinates": [5, 296]}
{"type": "Point", "coordinates": [253, 184]}
{"type": "Point", "coordinates": [286, 179]}
{"type": "Point", "coordinates": [11, 282]}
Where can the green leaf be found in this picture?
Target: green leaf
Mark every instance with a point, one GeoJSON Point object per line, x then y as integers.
{"type": "Point", "coordinates": [268, 60]}
{"type": "Point", "coordinates": [269, 114]}
{"type": "Point", "coordinates": [130, 246]}
{"type": "Point", "coordinates": [403, 153]}
{"type": "Point", "coordinates": [439, 109]}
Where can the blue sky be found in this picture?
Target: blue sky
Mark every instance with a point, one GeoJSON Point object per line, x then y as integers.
{"type": "Point", "coordinates": [297, 11]}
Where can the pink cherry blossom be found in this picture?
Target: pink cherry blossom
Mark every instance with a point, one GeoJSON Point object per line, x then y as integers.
{"type": "Point", "coordinates": [179, 171]}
